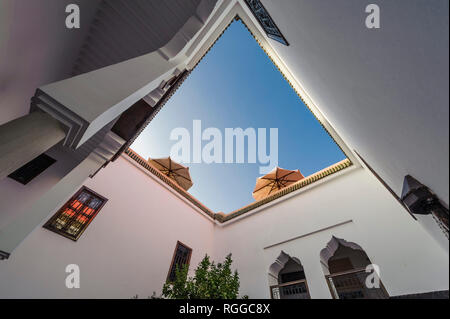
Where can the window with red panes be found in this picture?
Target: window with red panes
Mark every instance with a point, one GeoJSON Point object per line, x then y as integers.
{"type": "Point", "coordinates": [73, 218]}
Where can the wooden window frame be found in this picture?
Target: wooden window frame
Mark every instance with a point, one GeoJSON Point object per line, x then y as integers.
{"type": "Point", "coordinates": [179, 243]}
{"type": "Point", "coordinates": [48, 224]}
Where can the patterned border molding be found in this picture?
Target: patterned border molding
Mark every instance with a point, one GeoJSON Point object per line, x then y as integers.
{"type": "Point", "coordinates": [185, 74]}
{"type": "Point", "coordinates": [145, 164]}
{"type": "Point", "coordinates": [221, 217]}
{"type": "Point", "coordinates": [266, 21]}
{"type": "Point", "coordinates": [75, 125]}
{"type": "Point", "coordinates": [296, 186]}
{"type": "Point", "coordinates": [237, 18]}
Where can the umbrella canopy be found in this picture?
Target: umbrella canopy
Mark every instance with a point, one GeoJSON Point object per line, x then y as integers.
{"type": "Point", "coordinates": [274, 181]}
{"type": "Point", "coordinates": [175, 171]}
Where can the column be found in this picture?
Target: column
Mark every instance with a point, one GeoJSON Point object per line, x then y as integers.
{"type": "Point", "coordinates": [37, 212]}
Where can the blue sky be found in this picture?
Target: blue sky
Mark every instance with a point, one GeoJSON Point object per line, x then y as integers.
{"type": "Point", "coordinates": [236, 85]}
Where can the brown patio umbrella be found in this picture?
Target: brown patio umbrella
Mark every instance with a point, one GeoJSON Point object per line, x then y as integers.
{"type": "Point", "coordinates": [274, 181]}
{"type": "Point", "coordinates": [175, 171]}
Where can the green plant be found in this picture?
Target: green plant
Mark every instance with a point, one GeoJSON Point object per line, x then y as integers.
{"type": "Point", "coordinates": [210, 281]}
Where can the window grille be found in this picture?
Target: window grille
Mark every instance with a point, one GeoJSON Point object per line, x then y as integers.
{"type": "Point", "coordinates": [181, 257]}
{"type": "Point", "coordinates": [74, 217]}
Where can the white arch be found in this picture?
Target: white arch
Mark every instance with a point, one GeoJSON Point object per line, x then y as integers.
{"type": "Point", "coordinates": [278, 265]}
{"type": "Point", "coordinates": [332, 246]}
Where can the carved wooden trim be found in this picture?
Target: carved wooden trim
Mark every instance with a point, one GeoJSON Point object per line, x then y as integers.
{"type": "Point", "coordinates": [266, 21]}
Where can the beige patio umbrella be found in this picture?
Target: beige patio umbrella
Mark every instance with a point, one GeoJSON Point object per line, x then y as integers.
{"type": "Point", "coordinates": [175, 171]}
{"type": "Point", "coordinates": [274, 181]}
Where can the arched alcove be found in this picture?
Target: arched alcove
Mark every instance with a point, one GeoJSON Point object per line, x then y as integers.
{"type": "Point", "coordinates": [345, 265]}
{"type": "Point", "coordinates": [331, 248]}
{"type": "Point", "coordinates": [287, 279]}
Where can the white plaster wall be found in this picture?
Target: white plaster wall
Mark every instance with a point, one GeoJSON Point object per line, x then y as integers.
{"type": "Point", "coordinates": [36, 48]}
{"type": "Point", "coordinates": [126, 250]}
{"type": "Point", "coordinates": [410, 260]}
{"type": "Point", "coordinates": [385, 91]}
{"type": "Point", "coordinates": [128, 247]}
{"type": "Point", "coordinates": [14, 197]}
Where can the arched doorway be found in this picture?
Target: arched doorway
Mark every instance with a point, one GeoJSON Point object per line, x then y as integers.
{"type": "Point", "coordinates": [287, 279]}
{"type": "Point", "coordinates": [344, 264]}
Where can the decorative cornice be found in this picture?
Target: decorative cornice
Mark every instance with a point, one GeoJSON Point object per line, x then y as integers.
{"type": "Point", "coordinates": [74, 124]}
{"type": "Point", "coordinates": [293, 187]}
{"type": "Point", "coordinates": [187, 72]}
{"type": "Point", "coordinates": [145, 164]}
{"type": "Point", "coordinates": [237, 18]}
{"type": "Point", "coordinates": [221, 217]}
